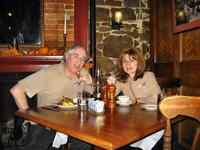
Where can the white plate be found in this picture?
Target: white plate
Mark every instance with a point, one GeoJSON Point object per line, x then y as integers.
{"type": "Point", "coordinates": [124, 104]}
{"type": "Point", "coordinates": [70, 107]}
{"type": "Point", "coordinates": [150, 107]}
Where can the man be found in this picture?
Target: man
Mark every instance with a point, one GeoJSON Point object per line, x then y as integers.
{"type": "Point", "coordinates": [51, 84]}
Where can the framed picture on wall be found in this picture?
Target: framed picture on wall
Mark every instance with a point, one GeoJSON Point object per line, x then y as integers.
{"type": "Point", "coordinates": [185, 15]}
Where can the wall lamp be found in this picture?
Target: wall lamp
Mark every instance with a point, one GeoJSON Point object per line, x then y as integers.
{"type": "Point", "coordinates": [116, 23]}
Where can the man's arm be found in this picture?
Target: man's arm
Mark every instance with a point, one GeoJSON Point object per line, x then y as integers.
{"type": "Point", "coordinates": [19, 95]}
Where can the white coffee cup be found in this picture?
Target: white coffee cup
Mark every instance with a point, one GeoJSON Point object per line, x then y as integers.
{"type": "Point", "coordinates": [123, 99]}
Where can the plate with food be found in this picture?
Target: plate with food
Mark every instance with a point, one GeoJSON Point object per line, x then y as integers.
{"type": "Point", "coordinates": [66, 104]}
{"type": "Point", "coordinates": [150, 107]}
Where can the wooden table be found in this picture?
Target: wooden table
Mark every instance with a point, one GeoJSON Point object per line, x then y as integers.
{"type": "Point", "coordinates": [114, 129]}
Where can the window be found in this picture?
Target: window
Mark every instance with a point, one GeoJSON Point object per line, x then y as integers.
{"type": "Point", "coordinates": [21, 20]}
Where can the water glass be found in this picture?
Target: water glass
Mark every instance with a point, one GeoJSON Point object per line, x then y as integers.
{"type": "Point", "coordinates": [81, 100]}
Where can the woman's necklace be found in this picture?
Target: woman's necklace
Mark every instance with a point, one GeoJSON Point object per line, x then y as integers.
{"type": "Point", "coordinates": [132, 90]}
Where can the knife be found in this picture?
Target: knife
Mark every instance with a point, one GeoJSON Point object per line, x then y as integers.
{"type": "Point", "coordinates": [51, 108]}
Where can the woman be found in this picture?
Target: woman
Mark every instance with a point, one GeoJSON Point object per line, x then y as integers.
{"type": "Point", "coordinates": [140, 85]}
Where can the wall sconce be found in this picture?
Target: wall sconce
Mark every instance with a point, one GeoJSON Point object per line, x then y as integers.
{"type": "Point", "coordinates": [181, 16]}
{"type": "Point", "coordinates": [117, 21]}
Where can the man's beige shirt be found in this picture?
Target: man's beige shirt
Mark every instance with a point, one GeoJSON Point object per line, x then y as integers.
{"type": "Point", "coordinates": [50, 84]}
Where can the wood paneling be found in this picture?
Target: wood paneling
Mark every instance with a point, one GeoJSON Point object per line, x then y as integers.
{"type": "Point", "coordinates": [175, 55]}
{"type": "Point", "coordinates": [187, 90]}
{"type": "Point", "coordinates": [190, 74]}
{"type": "Point", "coordinates": [163, 69]}
{"type": "Point", "coordinates": [163, 37]}
{"type": "Point", "coordinates": [191, 45]}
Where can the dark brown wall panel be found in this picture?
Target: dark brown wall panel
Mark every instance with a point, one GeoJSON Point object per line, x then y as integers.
{"type": "Point", "coordinates": [163, 69]}
{"type": "Point", "coordinates": [191, 45]}
{"type": "Point", "coordinates": [186, 90]}
{"type": "Point", "coordinates": [190, 73]}
{"type": "Point", "coordinates": [164, 39]}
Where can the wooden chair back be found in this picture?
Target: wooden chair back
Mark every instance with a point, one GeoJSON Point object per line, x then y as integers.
{"type": "Point", "coordinates": [173, 106]}
{"type": "Point", "coordinates": [169, 86]}
{"type": "Point", "coordinates": [196, 141]}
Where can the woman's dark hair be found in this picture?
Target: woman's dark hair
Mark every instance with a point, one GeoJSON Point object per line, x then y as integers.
{"type": "Point", "coordinates": [141, 65]}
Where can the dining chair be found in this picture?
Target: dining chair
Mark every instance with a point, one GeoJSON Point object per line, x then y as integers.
{"type": "Point", "coordinates": [169, 85]}
{"type": "Point", "coordinates": [196, 141]}
{"type": "Point", "coordinates": [173, 106]}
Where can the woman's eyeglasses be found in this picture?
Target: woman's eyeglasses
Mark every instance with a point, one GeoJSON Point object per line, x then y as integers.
{"type": "Point", "coordinates": [128, 61]}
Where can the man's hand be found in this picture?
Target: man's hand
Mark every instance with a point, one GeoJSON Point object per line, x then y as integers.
{"type": "Point", "coordinates": [87, 79]}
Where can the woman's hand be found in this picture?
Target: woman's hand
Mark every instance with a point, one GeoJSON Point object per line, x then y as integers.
{"type": "Point", "coordinates": [111, 80]}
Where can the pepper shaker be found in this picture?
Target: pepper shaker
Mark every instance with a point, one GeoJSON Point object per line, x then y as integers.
{"type": "Point", "coordinates": [111, 88]}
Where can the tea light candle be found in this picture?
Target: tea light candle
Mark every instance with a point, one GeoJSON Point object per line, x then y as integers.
{"type": "Point", "coordinates": [65, 19]}
{"type": "Point", "coordinates": [118, 16]}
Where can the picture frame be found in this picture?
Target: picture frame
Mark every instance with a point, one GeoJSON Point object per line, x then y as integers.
{"type": "Point", "coordinates": [185, 15]}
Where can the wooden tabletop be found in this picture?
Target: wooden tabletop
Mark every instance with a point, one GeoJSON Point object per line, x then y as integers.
{"type": "Point", "coordinates": [114, 129]}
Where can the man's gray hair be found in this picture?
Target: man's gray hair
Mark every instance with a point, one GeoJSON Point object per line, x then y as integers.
{"type": "Point", "coordinates": [71, 50]}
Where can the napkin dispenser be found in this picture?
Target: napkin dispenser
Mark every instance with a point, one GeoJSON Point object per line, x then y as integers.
{"type": "Point", "coordinates": [96, 106]}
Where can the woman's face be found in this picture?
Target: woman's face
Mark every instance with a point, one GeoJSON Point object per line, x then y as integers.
{"type": "Point", "coordinates": [129, 65]}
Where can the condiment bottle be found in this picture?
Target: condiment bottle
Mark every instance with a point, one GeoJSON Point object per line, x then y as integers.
{"type": "Point", "coordinates": [105, 95]}
{"type": "Point", "coordinates": [98, 84]}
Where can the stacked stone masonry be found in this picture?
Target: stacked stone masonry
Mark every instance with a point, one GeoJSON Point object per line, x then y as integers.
{"type": "Point", "coordinates": [135, 31]}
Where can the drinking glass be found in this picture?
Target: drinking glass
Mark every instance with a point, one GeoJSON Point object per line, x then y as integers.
{"type": "Point", "coordinates": [81, 100]}
{"type": "Point", "coordinates": [160, 96]}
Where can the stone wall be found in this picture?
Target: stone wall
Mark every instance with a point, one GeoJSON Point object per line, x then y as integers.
{"type": "Point", "coordinates": [134, 33]}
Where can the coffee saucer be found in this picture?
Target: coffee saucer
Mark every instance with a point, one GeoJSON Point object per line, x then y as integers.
{"type": "Point", "coordinates": [124, 104]}
{"type": "Point", "coordinates": [149, 107]}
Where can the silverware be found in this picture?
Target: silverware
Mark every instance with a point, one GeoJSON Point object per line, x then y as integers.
{"type": "Point", "coordinates": [51, 108]}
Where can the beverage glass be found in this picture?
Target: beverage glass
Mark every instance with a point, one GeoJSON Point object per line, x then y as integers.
{"type": "Point", "coordinates": [160, 96]}
{"type": "Point", "coordinates": [81, 100]}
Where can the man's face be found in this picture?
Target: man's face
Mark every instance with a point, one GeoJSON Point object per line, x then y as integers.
{"type": "Point", "coordinates": [76, 60]}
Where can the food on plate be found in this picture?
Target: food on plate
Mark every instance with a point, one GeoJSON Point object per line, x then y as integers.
{"type": "Point", "coordinates": [66, 101]}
